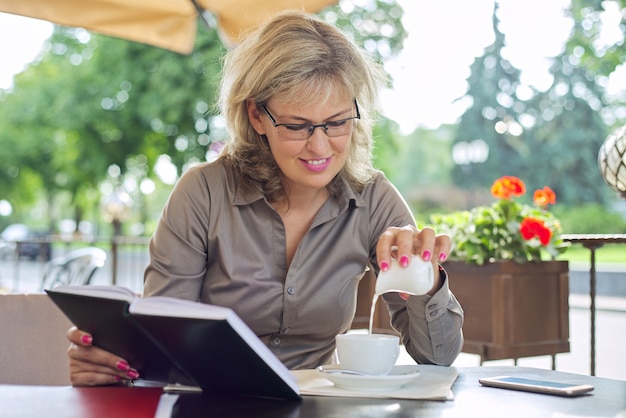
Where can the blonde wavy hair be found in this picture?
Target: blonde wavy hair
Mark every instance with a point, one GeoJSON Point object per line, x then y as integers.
{"type": "Point", "coordinates": [302, 60]}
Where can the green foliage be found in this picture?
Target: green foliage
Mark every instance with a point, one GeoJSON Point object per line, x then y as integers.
{"type": "Point", "coordinates": [587, 41]}
{"type": "Point", "coordinates": [494, 232]}
{"type": "Point", "coordinates": [93, 102]}
{"type": "Point", "coordinates": [387, 147]}
{"type": "Point", "coordinates": [591, 218]}
{"type": "Point", "coordinates": [493, 86]}
{"type": "Point", "coordinates": [423, 168]}
{"type": "Point", "coordinates": [374, 24]}
{"type": "Point", "coordinates": [553, 137]}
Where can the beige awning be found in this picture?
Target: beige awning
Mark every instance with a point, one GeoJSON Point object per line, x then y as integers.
{"type": "Point", "coordinates": [168, 24]}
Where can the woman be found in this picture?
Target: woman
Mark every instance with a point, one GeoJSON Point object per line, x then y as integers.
{"type": "Point", "coordinates": [283, 225]}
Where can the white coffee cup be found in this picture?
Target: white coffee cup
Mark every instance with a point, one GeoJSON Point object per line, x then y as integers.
{"type": "Point", "coordinates": [374, 354]}
{"type": "Point", "coordinates": [415, 279]}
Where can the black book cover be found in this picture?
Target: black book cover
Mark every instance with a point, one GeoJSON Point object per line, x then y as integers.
{"type": "Point", "coordinates": [108, 322]}
{"type": "Point", "coordinates": [216, 356]}
{"type": "Point", "coordinates": [172, 340]}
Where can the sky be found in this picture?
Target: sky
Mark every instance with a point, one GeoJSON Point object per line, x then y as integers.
{"type": "Point", "coordinates": [444, 37]}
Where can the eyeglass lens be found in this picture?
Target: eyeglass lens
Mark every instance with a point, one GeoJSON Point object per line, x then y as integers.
{"type": "Point", "coordinates": [297, 132]}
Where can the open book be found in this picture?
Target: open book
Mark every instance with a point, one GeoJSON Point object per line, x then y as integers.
{"type": "Point", "coordinates": [169, 339]}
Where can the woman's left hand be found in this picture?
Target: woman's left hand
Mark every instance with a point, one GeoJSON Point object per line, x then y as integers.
{"type": "Point", "coordinates": [402, 243]}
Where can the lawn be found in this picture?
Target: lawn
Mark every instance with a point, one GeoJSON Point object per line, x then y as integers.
{"type": "Point", "coordinates": [610, 253]}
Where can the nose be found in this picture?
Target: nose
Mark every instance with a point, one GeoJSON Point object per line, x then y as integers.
{"type": "Point", "coordinates": [312, 128]}
{"type": "Point", "coordinates": [318, 142]}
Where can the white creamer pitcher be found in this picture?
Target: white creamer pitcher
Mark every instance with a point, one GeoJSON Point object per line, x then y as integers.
{"type": "Point", "coordinates": [415, 279]}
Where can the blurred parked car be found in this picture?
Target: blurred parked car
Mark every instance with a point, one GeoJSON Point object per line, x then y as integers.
{"type": "Point", "coordinates": [32, 243]}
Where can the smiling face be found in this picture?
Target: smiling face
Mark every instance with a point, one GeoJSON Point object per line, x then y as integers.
{"type": "Point", "coordinates": [312, 163]}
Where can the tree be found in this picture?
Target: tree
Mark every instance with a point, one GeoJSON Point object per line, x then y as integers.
{"type": "Point", "coordinates": [572, 118]}
{"type": "Point", "coordinates": [552, 137]}
{"type": "Point", "coordinates": [489, 139]}
{"type": "Point", "coordinates": [588, 44]}
{"type": "Point", "coordinates": [568, 134]}
{"type": "Point", "coordinates": [99, 102]}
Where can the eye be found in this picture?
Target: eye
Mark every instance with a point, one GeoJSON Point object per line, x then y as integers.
{"type": "Point", "coordinates": [295, 127]}
{"type": "Point", "coordinates": [337, 123]}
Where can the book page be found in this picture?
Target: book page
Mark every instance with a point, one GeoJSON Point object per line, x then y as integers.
{"type": "Point", "coordinates": [105, 292]}
{"type": "Point", "coordinates": [168, 306]}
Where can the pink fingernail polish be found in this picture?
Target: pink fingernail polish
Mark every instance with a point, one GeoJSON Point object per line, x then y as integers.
{"type": "Point", "coordinates": [117, 378]}
{"type": "Point", "coordinates": [404, 261]}
{"type": "Point", "coordinates": [443, 256]}
{"type": "Point", "coordinates": [384, 266]}
{"type": "Point", "coordinates": [122, 365]}
{"type": "Point", "coordinates": [426, 255]}
{"type": "Point", "coordinates": [86, 339]}
{"type": "Point", "coordinates": [132, 374]}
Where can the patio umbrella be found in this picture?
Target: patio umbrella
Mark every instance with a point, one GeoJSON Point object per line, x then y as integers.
{"type": "Point", "coordinates": [168, 24]}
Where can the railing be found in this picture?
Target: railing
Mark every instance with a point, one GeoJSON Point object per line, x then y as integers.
{"type": "Point", "coordinates": [126, 261]}
{"type": "Point", "coordinates": [129, 256]}
{"type": "Point", "coordinates": [592, 242]}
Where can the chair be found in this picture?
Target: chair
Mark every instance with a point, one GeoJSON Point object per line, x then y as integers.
{"type": "Point", "coordinates": [33, 343]}
{"type": "Point", "coordinates": [75, 268]}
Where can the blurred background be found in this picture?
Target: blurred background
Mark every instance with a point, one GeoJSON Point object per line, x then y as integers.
{"type": "Point", "coordinates": [95, 130]}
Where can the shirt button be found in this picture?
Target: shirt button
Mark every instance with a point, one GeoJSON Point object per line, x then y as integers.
{"type": "Point", "coordinates": [434, 313]}
{"type": "Point", "coordinates": [432, 306]}
{"type": "Point", "coordinates": [439, 347]}
{"type": "Point", "coordinates": [276, 342]}
{"type": "Point", "coordinates": [287, 330]}
{"type": "Point", "coordinates": [290, 290]}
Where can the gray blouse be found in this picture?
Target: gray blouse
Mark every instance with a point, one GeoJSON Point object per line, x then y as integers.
{"type": "Point", "coordinates": [221, 243]}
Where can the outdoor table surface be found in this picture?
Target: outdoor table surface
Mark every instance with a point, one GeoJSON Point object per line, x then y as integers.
{"type": "Point", "coordinates": [470, 399]}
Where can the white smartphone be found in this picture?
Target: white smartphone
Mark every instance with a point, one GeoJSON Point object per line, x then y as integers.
{"type": "Point", "coordinates": [534, 385]}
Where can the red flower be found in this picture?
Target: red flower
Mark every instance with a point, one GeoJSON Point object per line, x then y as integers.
{"type": "Point", "coordinates": [507, 187]}
{"type": "Point", "coordinates": [544, 197]}
{"type": "Point", "coordinates": [533, 227]}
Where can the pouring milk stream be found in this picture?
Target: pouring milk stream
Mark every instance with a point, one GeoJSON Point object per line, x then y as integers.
{"type": "Point", "coordinates": [415, 279]}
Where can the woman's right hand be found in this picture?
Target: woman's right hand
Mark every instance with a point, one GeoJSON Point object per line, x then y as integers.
{"type": "Point", "coordinates": [93, 366]}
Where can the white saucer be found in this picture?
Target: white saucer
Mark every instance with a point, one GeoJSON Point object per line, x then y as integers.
{"type": "Point", "coordinates": [399, 376]}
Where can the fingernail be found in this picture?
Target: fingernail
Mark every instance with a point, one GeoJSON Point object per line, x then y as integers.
{"type": "Point", "coordinates": [132, 374]}
{"type": "Point", "coordinates": [404, 261]}
{"type": "Point", "coordinates": [404, 296]}
{"type": "Point", "coordinates": [122, 365]}
{"type": "Point", "coordinates": [443, 256]}
{"type": "Point", "coordinates": [86, 339]}
{"type": "Point", "coordinates": [426, 255]}
{"type": "Point", "coordinates": [384, 266]}
{"type": "Point", "coordinates": [117, 378]}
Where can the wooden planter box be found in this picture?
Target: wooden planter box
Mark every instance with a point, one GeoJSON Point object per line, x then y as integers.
{"type": "Point", "coordinates": [513, 310]}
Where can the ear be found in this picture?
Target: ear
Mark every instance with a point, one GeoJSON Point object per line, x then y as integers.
{"type": "Point", "coordinates": [254, 116]}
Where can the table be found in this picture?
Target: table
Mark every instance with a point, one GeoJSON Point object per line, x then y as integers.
{"type": "Point", "coordinates": [471, 399]}
{"type": "Point", "coordinates": [592, 242]}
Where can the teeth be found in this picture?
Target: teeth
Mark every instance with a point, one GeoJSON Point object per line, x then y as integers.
{"type": "Point", "coordinates": [316, 162]}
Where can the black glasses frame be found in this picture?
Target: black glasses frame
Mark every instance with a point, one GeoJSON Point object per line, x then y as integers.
{"type": "Point", "coordinates": [312, 126]}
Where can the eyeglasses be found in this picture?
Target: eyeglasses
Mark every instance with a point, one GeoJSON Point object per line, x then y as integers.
{"type": "Point", "coordinates": [303, 131]}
